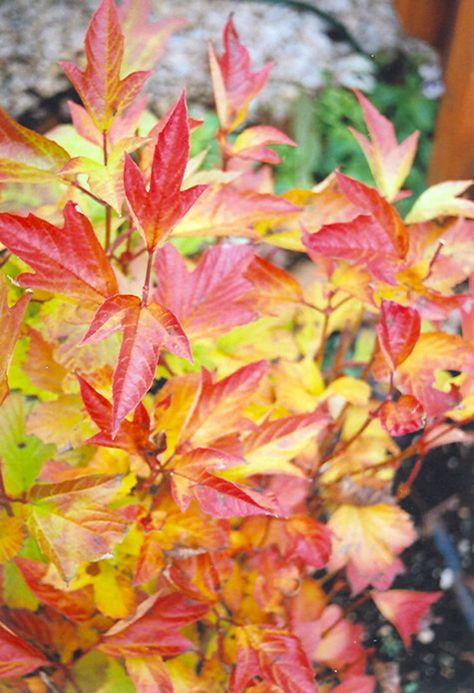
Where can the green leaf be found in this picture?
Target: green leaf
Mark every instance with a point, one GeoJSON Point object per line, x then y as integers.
{"type": "Point", "coordinates": [23, 455]}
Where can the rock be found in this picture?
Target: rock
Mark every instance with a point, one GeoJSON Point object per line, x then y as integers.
{"type": "Point", "coordinates": [35, 35]}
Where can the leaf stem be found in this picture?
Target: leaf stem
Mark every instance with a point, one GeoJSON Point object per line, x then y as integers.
{"type": "Point", "coordinates": [108, 208]}
{"type": "Point", "coordinates": [146, 283]}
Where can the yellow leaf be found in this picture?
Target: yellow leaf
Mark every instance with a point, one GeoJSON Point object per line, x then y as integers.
{"type": "Point", "coordinates": [441, 200]}
{"type": "Point", "coordinates": [113, 594]}
{"type": "Point", "coordinates": [11, 536]}
{"type": "Point", "coordinates": [353, 390]}
{"type": "Point", "coordinates": [368, 539]}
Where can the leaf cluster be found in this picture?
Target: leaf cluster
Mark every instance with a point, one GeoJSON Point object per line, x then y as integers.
{"type": "Point", "coordinates": [198, 448]}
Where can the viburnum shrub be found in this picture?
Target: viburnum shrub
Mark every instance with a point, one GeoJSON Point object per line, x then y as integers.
{"type": "Point", "coordinates": [198, 452]}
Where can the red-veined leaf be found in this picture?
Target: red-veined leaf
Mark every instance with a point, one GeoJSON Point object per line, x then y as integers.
{"type": "Point", "coordinates": [235, 85]}
{"type": "Point", "coordinates": [309, 539]}
{"type": "Point", "coordinates": [389, 161]}
{"type": "Point", "coordinates": [274, 655]}
{"type": "Point", "coordinates": [405, 609]}
{"type": "Point", "coordinates": [370, 200]}
{"type": "Point", "coordinates": [362, 241]}
{"type": "Point", "coordinates": [123, 127]}
{"type": "Point", "coordinates": [406, 415]}
{"type": "Point", "coordinates": [10, 319]}
{"type": "Point", "coordinates": [157, 210]}
{"type": "Point", "coordinates": [398, 331]}
{"type": "Point", "coordinates": [222, 498]}
{"type": "Point", "coordinates": [146, 330]}
{"type": "Point", "coordinates": [209, 300]}
{"type": "Point", "coordinates": [69, 261]}
{"type": "Point", "coordinates": [104, 94]}
{"type": "Point", "coordinates": [17, 657]}
{"type": "Point", "coordinates": [27, 156]}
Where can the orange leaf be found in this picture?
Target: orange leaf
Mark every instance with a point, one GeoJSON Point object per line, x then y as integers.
{"type": "Point", "coordinates": [404, 416]}
{"type": "Point", "coordinates": [405, 609]}
{"type": "Point", "coordinates": [102, 91]}
{"type": "Point", "coordinates": [416, 376]}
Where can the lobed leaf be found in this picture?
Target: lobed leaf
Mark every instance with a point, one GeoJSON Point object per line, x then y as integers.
{"type": "Point", "coordinates": [104, 94]}
{"type": "Point", "coordinates": [157, 210]}
{"type": "Point", "coordinates": [68, 261]}
{"type": "Point", "coordinates": [389, 161]}
{"type": "Point", "coordinates": [146, 330]}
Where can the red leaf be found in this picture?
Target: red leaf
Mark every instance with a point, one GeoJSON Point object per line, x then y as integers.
{"type": "Point", "coordinates": [398, 332]}
{"type": "Point", "coordinates": [146, 330]}
{"type": "Point", "coordinates": [68, 261]}
{"type": "Point", "coordinates": [209, 300]}
{"type": "Point", "coordinates": [222, 498]}
{"type": "Point", "coordinates": [406, 415]}
{"type": "Point", "coordinates": [131, 435]}
{"type": "Point", "coordinates": [102, 91]}
{"type": "Point", "coordinates": [154, 631]}
{"type": "Point", "coordinates": [235, 85]}
{"type": "Point", "coordinates": [27, 156]}
{"type": "Point", "coordinates": [10, 320]}
{"type": "Point", "coordinates": [157, 210]}
{"type": "Point", "coordinates": [17, 657]}
{"type": "Point", "coordinates": [311, 540]}
{"type": "Point", "coordinates": [362, 241]}
{"type": "Point", "coordinates": [371, 201]}
{"type": "Point", "coordinates": [405, 609]}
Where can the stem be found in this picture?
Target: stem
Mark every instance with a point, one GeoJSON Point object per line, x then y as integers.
{"type": "Point", "coordinates": [108, 208]}
{"type": "Point", "coordinates": [146, 284]}
{"type": "Point", "coordinates": [78, 186]}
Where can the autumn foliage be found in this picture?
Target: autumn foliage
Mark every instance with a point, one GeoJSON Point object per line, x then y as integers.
{"type": "Point", "coordinates": [197, 451]}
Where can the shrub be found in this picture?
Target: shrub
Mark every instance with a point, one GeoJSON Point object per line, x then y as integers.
{"type": "Point", "coordinates": [198, 453]}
